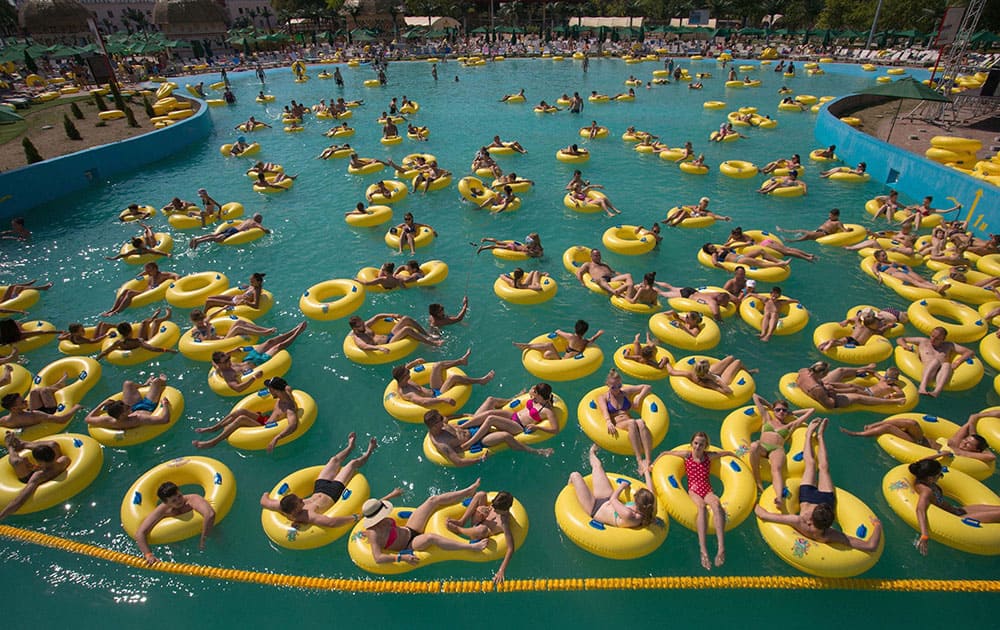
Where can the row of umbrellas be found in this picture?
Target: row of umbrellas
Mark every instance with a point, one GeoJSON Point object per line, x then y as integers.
{"type": "Point", "coordinates": [117, 43]}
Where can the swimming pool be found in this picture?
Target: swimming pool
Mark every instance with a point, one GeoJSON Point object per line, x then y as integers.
{"type": "Point", "coordinates": [312, 243]}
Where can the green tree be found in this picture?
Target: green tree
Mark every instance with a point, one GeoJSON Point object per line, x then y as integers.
{"type": "Point", "coordinates": [73, 107]}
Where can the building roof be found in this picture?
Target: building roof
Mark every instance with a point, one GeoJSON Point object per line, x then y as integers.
{"type": "Point", "coordinates": [188, 12]}
{"type": "Point", "coordinates": [53, 16]}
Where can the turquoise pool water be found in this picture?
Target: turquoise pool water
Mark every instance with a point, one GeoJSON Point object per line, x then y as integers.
{"type": "Point", "coordinates": [311, 243]}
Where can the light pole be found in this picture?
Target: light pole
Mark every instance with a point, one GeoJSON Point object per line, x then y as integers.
{"type": "Point", "coordinates": [871, 34]}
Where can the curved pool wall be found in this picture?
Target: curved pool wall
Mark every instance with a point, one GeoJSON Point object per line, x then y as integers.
{"type": "Point", "coordinates": [900, 169]}
{"type": "Point", "coordinates": [29, 186]}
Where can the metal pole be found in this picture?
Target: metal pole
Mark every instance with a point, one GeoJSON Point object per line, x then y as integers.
{"type": "Point", "coordinates": [492, 28]}
{"type": "Point", "coordinates": [871, 34]}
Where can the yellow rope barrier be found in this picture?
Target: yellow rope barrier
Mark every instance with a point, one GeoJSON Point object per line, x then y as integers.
{"type": "Point", "coordinates": [744, 582]}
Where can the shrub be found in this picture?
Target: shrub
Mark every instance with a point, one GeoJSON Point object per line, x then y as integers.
{"type": "Point", "coordinates": [30, 152]}
{"type": "Point", "coordinates": [73, 107]}
{"type": "Point", "coordinates": [71, 131]}
{"type": "Point", "coordinates": [101, 105]}
{"type": "Point", "coordinates": [148, 107]}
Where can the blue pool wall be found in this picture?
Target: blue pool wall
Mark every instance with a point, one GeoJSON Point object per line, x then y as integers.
{"type": "Point", "coordinates": [913, 175]}
{"type": "Point", "coordinates": [29, 186]}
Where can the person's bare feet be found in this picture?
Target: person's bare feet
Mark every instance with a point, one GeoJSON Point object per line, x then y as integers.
{"type": "Point", "coordinates": [480, 544]}
{"type": "Point", "coordinates": [705, 563]}
{"type": "Point", "coordinates": [471, 489]}
{"type": "Point", "coordinates": [453, 526]}
{"type": "Point", "coordinates": [544, 452]}
{"type": "Point", "coordinates": [464, 359]}
{"type": "Point", "coordinates": [720, 557]}
{"type": "Point", "coordinates": [351, 438]}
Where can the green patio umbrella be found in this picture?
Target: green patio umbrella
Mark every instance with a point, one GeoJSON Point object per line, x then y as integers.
{"type": "Point", "coordinates": [436, 34]}
{"type": "Point", "coordinates": [906, 88]}
{"type": "Point", "coordinates": [750, 31]}
{"type": "Point", "coordinates": [12, 53]}
{"type": "Point", "coordinates": [481, 30]}
{"type": "Point", "coordinates": [362, 35]}
{"type": "Point", "coordinates": [8, 117]}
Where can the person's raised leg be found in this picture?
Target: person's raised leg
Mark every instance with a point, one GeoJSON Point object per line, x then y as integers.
{"type": "Point", "coordinates": [156, 387]}
{"type": "Point", "coordinates": [418, 520]}
{"type": "Point", "coordinates": [825, 482]}
{"type": "Point", "coordinates": [352, 467]}
{"type": "Point", "coordinates": [334, 465]}
{"type": "Point", "coordinates": [423, 541]}
{"type": "Point", "coordinates": [439, 371]}
{"type": "Point", "coordinates": [474, 532]}
{"type": "Point", "coordinates": [227, 419]}
{"type": "Point", "coordinates": [496, 437]}
{"type": "Point", "coordinates": [776, 459]}
{"type": "Point", "coordinates": [808, 459]}
{"type": "Point", "coordinates": [243, 327]}
{"type": "Point", "coordinates": [408, 332]}
{"type": "Point", "coordinates": [282, 341]}
{"type": "Point", "coordinates": [238, 422]}
{"type": "Point", "coordinates": [942, 377]}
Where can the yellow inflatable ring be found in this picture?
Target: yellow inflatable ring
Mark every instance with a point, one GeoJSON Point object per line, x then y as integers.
{"type": "Point", "coordinates": [526, 296]}
{"type": "Point", "coordinates": [241, 237]}
{"type": "Point", "coordinates": [790, 390]}
{"type": "Point", "coordinates": [784, 191]}
{"type": "Point", "coordinates": [278, 365]}
{"type": "Point", "coordinates": [654, 415]}
{"type": "Point", "coordinates": [738, 169]}
{"type": "Point", "coordinates": [529, 437]}
{"type": "Point", "coordinates": [146, 432]}
{"type": "Point", "coordinates": [635, 307]}
{"type": "Point", "coordinates": [574, 257]}
{"type": "Point", "coordinates": [700, 306]}
{"type": "Point", "coordinates": [937, 431]}
{"type": "Point", "coordinates": [958, 532]}
{"type": "Point", "coordinates": [195, 348]}
{"type": "Point", "coordinates": [23, 301]}
{"type": "Point", "coordinates": [930, 313]}
{"type": "Point", "coordinates": [562, 369]}
{"type": "Point", "coordinates": [397, 189]}
{"type": "Point", "coordinates": [82, 373]}
{"type": "Point", "coordinates": [164, 243]}
{"type": "Point", "coordinates": [907, 291]}
{"type": "Point", "coordinates": [743, 387]}
{"type": "Point", "coordinates": [875, 350]}
{"type": "Point", "coordinates": [302, 536]}
{"type": "Point", "coordinates": [733, 137]}
{"type": "Point", "coordinates": [602, 132]}
{"type": "Point", "coordinates": [215, 479]}
{"type": "Point", "coordinates": [587, 206]}
{"type": "Point", "coordinates": [637, 369]}
{"type": "Point", "coordinates": [374, 215]}
{"type": "Point", "coordinates": [192, 290]}
{"type": "Point", "coordinates": [843, 175]}
{"type": "Point", "coordinates": [792, 317]}
{"type": "Point", "coordinates": [424, 237]}
{"type": "Point", "coordinates": [316, 302]}
{"type": "Point", "coordinates": [738, 496]}
{"type": "Point", "coordinates": [147, 212]}
{"type": "Point", "coordinates": [398, 348]}
{"type": "Point", "coordinates": [714, 104]}
{"type": "Point", "coordinates": [165, 337]}
{"type": "Point", "coordinates": [252, 149]}
{"type": "Point", "coordinates": [519, 186]}
{"type": "Point", "coordinates": [767, 274]}
{"type": "Point", "coordinates": [283, 185]}
{"type": "Point", "coordinates": [692, 222]}
{"type": "Point", "coordinates": [630, 240]}
{"type": "Point", "coordinates": [70, 348]}
{"type": "Point", "coordinates": [367, 169]}
{"type": "Point", "coordinates": [230, 210]}
{"type": "Point", "coordinates": [966, 292]}
{"type": "Point", "coordinates": [473, 189]}
{"type": "Point", "coordinates": [434, 272]}
{"type": "Point", "coordinates": [693, 169]}
{"type": "Point", "coordinates": [361, 553]}
{"type": "Point", "coordinates": [855, 234]}
{"type": "Point", "coordinates": [572, 159]}
{"type": "Point", "coordinates": [257, 438]}
{"type": "Point", "coordinates": [815, 156]}
{"type": "Point", "coordinates": [406, 411]}
{"type": "Point", "coordinates": [816, 558]}
{"type": "Point", "coordinates": [86, 458]}
{"type": "Point", "coordinates": [411, 107]}
{"type": "Point", "coordinates": [667, 330]}
{"type": "Point", "coordinates": [617, 543]}
{"type": "Point", "coordinates": [146, 297]}
{"type": "Point", "coordinates": [267, 98]}
{"type": "Point", "coordinates": [966, 376]}
{"type": "Point", "coordinates": [989, 350]}
{"type": "Point", "coordinates": [734, 118]}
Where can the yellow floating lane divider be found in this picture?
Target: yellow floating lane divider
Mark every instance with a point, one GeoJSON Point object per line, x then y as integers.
{"type": "Point", "coordinates": [665, 583]}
